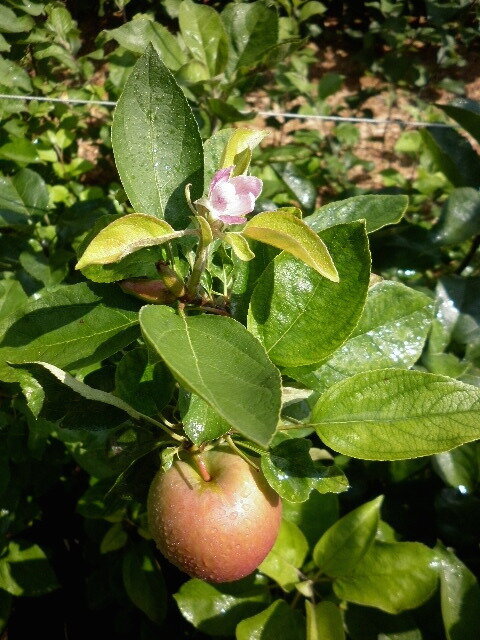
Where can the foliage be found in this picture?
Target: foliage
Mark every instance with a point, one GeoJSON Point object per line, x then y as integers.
{"type": "Point", "coordinates": [340, 350]}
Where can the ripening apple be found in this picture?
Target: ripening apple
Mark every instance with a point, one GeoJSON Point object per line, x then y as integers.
{"type": "Point", "coordinates": [215, 517]}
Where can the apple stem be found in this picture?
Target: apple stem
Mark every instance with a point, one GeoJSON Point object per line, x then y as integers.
{"type": "Point", "coordinates": [202, 468]}
{"type": "Point", "coordinates": [239, 452]}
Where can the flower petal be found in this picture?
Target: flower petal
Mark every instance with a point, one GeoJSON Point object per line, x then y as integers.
{"type": "Point", "coordinates": [247, 184]}
{"type": "Point", "coordinates": [232, 219]}
{"type": "Point", "coordinates": [222, 197]}
{"type": "Point", "coordinates": [220, 176]}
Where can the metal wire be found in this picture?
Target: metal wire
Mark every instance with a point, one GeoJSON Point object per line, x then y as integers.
{"type": "Point", "coordinates": [267, 114]}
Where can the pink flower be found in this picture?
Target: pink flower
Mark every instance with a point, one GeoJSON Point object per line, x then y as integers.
{"type": "Point", "coordinates": [230, 199]}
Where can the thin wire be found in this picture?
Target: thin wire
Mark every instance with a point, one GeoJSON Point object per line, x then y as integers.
{"type": "Point", "coordinates": [267, 114]}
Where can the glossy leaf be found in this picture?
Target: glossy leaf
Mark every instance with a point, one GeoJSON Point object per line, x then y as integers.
{"type": "Point", "coordinates": [297, 183]}
{"type": "Point", "coordinates": [202, 423]}
{"type": "Point", "coordinates": [324, 621]}
{"type": "Point", "coordinates": [453, 155]}
{"type": "Point", "coordinates": [396, 414]}
{"type": "Point", "coordinates": [460, 597]}
{"type": "Point", "coordinates": [286, 231]}
{"type": "Point", "coordinates": [286, 557]}
{"type": "Point", "coordinates": [69, 326]}
{"type": "Point", "coordinates": [157, 146]}
{"type": "Point", "coordinates": [217, 609]}
{"type": "Point", "coordinates": [460, 217]}
{"type": "Point", "coordinates": [204, 34]}
{"type": "Point", "coordinates": [25, 570]}
{"type": "Point", "coordinates": [460, 467]}
{"type": "Point", "coordinates": [391, 333]}
{"type": "Point", "coordinates": [144, 582]}
{"type": "Point", "coordinates": [342, 546]}
{"type": "Point", "coordinates": [392, 577]}
{"type": "Point", "coordinates": [466, 113]}
{"type": "Point", "coordinates": [200, 351]}
{"type": "Point", "coordinates": [239, 245]}
{"type": "Point", "coordinates": [22, 196]}
{"type": "Point", "coordinates": [376, 210]}
{"type": "Point", "coordinates": [290, 470]}
{"type": "Point", "coordinates": [12, 296]}
{"type": "Point", "coordinates": [314, 516]}
{"type": "Point", "coordinates": [124, 236]}
{"type": "Point", "coordinates": [300, 316]}
{"type": "Point", "coordinates": [278, 621]}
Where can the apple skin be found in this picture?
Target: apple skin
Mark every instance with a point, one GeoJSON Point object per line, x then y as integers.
{"type": "Point", "coordinates": [219, 530]}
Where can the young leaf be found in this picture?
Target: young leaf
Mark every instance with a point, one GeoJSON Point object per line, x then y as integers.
{"type": "Point", "coordinates": [342, 546]}
{"type": "Point", "coordinates": [286, 231]}
{"type": "Point", "coordinates": [204, 34]}
{"type": "Point", "coordinates": [376, 210]}
{"type": "Point", "coordinates": [394, 414]}
{"type": "Point", "coordinates": [391, 576]}
{"type": "Point", "coordinates": [286, 557]}
{"type": "Point", "coordinates": [460, 597]}
{"type": "Point", "coordinates": [278, 621]}
{"type": "Point", "coordinates": [300, 316]}
{"type": "Point", "coordinates": [200, 351]}
{"type": "Point", "coordinates": [202, 423]}
{"type": "Point", "coordinates": [239, 141]}
{"type": "Point", "coordinates": [124, 236]}
{"type": "Point", "coordinates": [157, 145]}
{"type": "Point", "coordinates": [240, 245]}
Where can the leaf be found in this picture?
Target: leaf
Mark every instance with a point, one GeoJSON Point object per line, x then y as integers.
{"type": "Point", "coordinates": [393, 577]}
{"type": "Point", "coordinates": [25, 570]}
{"type": "Point", "coordinates": [19, 150]}
{"type": "Point", "coordinates": [200, 351]}
{"type": "Point", "coordinates": [324, 621]}
{"type": "Point", "coordinates": [69, 326]}
{"type": "Point", "coordinates": [157, 145]}
{"type": "Point", "coordinates": [391, 333]}
{"type": "Point", "coordinates": [376, 210]}
{"type": "Point", "coordinates": [12, 296]}
{"type": "Point", "coordinates": [202, 423]}
{"type": "Point", "coordinates": [115, 538]}
{"type": "Point", "coordinates": [11, 23]}
{"type": "Point", "coordinates": [252, 29]}
{"type": "Point", "coordinates": [144, 582]}
{"type": "Point", "coordinates": [239, 245]}
{"type": "Point", "coordinates": [342, 546]}
{"type": "Point", "coordinates": [314, 516]}
{"type": "Point", "coordinates": [460, 597]}
{"type": "Point", "coordinates": [204, 34]}
{"type": "Point", "coordinates": [466, 113]}
{"type": "Point", "coordinates": [301, 317]}
{"type": "Point", "coordinates": [217, 609]}
{"type": "Point", "coordinates": [366, 623]}
{"type": "Point", "coordinates": [290, 470]}
{"type": "Point", "coordinates": [394, 414]}
{"type": "Point", "coordinates": [453, 155]}
{"type": "Point", "coordinates": [278, 621]}
{"type": "Point", "coordinates": [286, 231]}
{"type": "Point", "coordinates": [214, 148]}
{"type": "Point", "coordinates": [286, 557]}
{"type": "Point", "coordinates": [460, 467]}
{"type": "Point", "coordinates": [297, 183]}
{"type": "Point", "coordinates": [124, 236]}
{"type": "Point", "coordinates": [21, 196]}
{"type": "Point", "coordinates": [460, 217]}
{"type": "Point", "coordinates": [240, 141]}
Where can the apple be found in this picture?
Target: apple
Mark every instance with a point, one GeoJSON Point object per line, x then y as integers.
{"type": "Point", "coordinates": [213, 516]}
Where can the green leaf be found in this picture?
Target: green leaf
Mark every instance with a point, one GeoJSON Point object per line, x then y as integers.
{"type": "Point", "coordinates": [466, 113]}
{"type": "Point", "coordinates": [393, 577]}
{"type": "Point", "coordinates": [286, 231]}
{"type": "Point", "coordinates": [366, 623]}
{"type": "Point", "coordinates": [70, 326]}
{"type": "Point", "coordinates": [217, 609]}
{"type": "Point", "coordinates": [376, 210]}
{"type": "Point", "coordinates": [20, 150]}
{"type": "Point", "coordinates": [286, 557]}
{"type": "Point", "coordinates": [138, 33]}
{"type": "Point", "coordinates": [49, 270]}
{"type": "Point", "coordinates": [324, 621]}
{"type": "Point", "coordinates": [342, 546]}
{"type": "Point", "coordinates": [460, 597]}
{"type": "Point", "coordinates": [394, 414]}
{"type": "Point", "coordinates": [202, 423]}
{"type": "Point", "coordinates": [314, 516]}
{"type": "Point", "coordinates": [391, 333]}
{"type": "Point", "coordinates": [144, 582]}
{"type": "Point", "coordinates": [300, 316]}
{"type": "Point", "coordinates": [115, 538]}
{"type": "Point", "coordinates": [214, 148]}
{"type": "Point", "coordinates": [239, 245]}
{"type": "Point", "coordinates": [290, 470]}
{"type": "Point", "coordinates": [11, 23]}
{"type": "Point", "coordinates": [157, 145]}
{"type": "Point", "coordinates": [278, 621]}
{"type": "Point", "coordinates": [301, 188]}
{"type": "Point", "coordinates": [31, 191]}
{"type": "Point", "coordinates": [200, 351]}
{"type": "Point", "coordinates": [12, 296]}
{"type": "Point", "coordinates": [460, 217]}
{"type": "Point", "coordinates": [204, 34]}
{"type": "Point", "coordinates": [124, 236]}
{"type": "Point", "coordinates": [25, 570]}
{"type": "Point", "coordinates": [252, 29]}
{"type": "Point", "coordinates": [460, 467]}
{"type": "Point", "coordinates": [239, 141]}
{"type": "Point", "coordinates": [453, 155]}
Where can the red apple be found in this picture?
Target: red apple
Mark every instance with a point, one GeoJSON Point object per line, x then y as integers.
{"type": "Point", "coordinates": [219, 529]}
